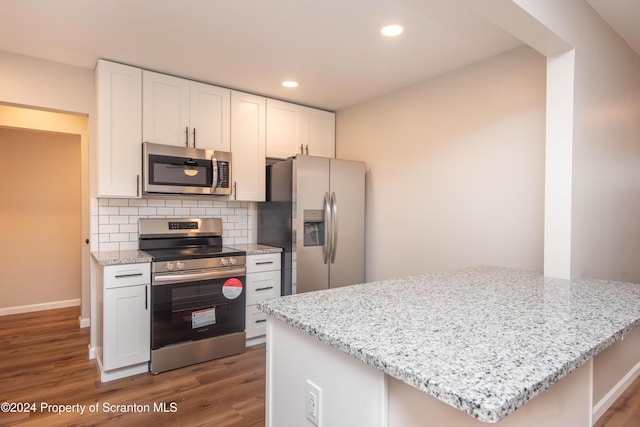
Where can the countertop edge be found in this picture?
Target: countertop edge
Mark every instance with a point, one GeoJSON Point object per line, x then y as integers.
{"type": "Point", "coordinates": [485, 414]}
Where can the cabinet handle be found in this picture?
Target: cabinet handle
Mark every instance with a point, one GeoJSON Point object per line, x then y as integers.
{"type": "Point", "coordinates": [186, 136]}
{"type": "Point", "coordinates": [235, 190]}
{"type": "Point", "coordinates": [146, 298]}
{"type": "Point", "coordinates": [137, 185]}
{"type": "Point", "coordinates": [261, 321]}
{"type": "Point", "coordinates": [264, 289]}
{"type": "Point", "coordinates": [194, 137]}
{"type": "Point", "coordinates": [264, 262]}
{"type": "Point", "coordinates": [301, 149]}
{"type": "Point", "coordinates": [307, 149]}
{"type": "Point", "coordinates": [122, 276]}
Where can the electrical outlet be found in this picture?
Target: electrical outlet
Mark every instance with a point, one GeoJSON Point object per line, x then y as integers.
{"type": "Point", "coordinates": [312, 401]}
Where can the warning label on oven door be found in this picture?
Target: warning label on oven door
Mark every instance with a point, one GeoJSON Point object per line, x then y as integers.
{"type": "Point", "coordinates": [202, 318]}
{"type": "Point", "coordinates": [232, 288]}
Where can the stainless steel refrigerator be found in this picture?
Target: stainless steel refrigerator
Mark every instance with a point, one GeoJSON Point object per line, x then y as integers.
{"type": "Point", "coordinates": [315, 213]}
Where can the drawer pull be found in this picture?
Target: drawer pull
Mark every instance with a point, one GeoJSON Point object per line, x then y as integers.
{"type": "Point", "coordinates": [264, 262]}
{"type": "Point", "coordinates": [122, 276]}
{"type": "Point", "coordinates": [266, 288]}
{"type": "Point", "coordinates": [261, 321]}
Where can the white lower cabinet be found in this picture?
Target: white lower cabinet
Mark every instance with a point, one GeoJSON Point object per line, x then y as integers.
{"type": "Point", "coordinates": [263, 282]}
{"type": "Point", "coordinates": [126, 322]}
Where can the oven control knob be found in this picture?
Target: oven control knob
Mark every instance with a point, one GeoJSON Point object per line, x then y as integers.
{"type": "Point", "coordinates": [180, 265]}
{"type": "Point", "coordinates": [233, 261]}
{"type": "Point", "coordinates": [224, 262]}
{"type": "Point", "coordinates": [171, 266]}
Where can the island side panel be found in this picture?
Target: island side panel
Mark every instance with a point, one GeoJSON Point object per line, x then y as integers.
{"type": "Point", "coordinates": [566, 403]}
{"type": "Point", "coordinates": [614, 369]}
{"type": "Point", "coordinates": [352, 393]}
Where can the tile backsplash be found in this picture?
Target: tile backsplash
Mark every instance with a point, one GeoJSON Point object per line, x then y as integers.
{"type": "Point", "coordinates": [114, 222]}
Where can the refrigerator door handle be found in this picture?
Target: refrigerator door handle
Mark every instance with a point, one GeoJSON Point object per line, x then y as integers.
{"type": "Point", "coordinates": [334, 227]}
{"type": "Point", "coordinates": [326, 248]}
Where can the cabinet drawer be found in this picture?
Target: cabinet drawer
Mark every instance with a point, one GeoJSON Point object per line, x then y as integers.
{"type": "Point", "coordinates": [256, 322]}
{"type": "Point", "coordinates": [261, 286]}
{"type": "Point", "coordinates": [263, 262]}
{"type": "Point", "coordinates": [117, 276]}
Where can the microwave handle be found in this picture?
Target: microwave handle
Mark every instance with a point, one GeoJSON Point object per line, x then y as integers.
{"type": "Point", "coordinates": [214, 177]}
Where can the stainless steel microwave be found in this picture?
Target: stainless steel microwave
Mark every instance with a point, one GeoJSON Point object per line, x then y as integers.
{"type": "Point", "coordinates": [172, 169]}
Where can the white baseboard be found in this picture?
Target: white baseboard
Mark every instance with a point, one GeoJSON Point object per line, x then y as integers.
{"type": "Point", "coordinates": [39, 307]}
{"type": "Point", "coordinates": [84, 322]}
{"type": "Point", "coordinates": [616, 391]}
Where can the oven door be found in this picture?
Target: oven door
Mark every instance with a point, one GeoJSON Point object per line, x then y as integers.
{"type": "Point", "coordinates": [193, 306]}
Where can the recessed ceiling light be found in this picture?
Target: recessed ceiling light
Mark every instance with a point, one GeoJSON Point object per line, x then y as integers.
{"type": "Point", "coordinates": [290, 83]}
{"type": "Point", "coordinates": [392, 30]}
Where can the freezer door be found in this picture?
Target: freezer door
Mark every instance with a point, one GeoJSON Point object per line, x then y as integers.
{"type": "Point", "coordinates": [347, 242]}
{"type": "Point", "coordinates": [311, 188]}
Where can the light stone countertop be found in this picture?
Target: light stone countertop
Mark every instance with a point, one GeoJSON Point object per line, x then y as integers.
{"type": "Point", "coordinates": [256, 249]}
{"type": "Point", "coordinates": [105, 258]}
{"type": "Point", "coordinates": [484, 339]}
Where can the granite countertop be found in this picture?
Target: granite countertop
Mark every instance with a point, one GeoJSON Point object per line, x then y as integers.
{"type": "Point", "coordinates": [105, 258]}
{"type": "Point", "coordinates": [484, 339]}
{"type": "Point", "coordinates": [256, 249]}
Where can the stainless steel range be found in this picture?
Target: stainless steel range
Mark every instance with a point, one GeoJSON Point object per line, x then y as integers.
{"type": "Point", "coordinates": [197, 292]}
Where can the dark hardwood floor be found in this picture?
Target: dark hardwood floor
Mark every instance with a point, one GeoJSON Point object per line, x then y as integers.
{"type": "Point", "coordinates": [44, 360]}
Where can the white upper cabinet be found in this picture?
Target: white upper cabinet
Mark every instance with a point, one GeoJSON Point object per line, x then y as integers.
{"type": "Point", "coordinates": [248, 122]}
{"type": "Point", "coordinates": [294, 129]}
{"type": "Point", "coordinates": [119, 129]}
{"type": "Point", "coordinates": [181, 112]}
{"type": "Point", "coordinates": [210, 109]}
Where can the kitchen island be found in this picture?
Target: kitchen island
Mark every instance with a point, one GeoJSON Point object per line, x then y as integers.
{"type": "Point", "coordinates": [461, 348]}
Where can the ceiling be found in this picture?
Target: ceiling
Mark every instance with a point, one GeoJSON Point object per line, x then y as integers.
{"type": "Point", "coordinates": [333, 48]}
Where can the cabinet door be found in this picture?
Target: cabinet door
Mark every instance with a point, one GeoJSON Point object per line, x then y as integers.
{"type": "Point", "coordinates": [165, 101]}
{"type": "Point", "coordinates": [284, 129]}
{"type": "Point", "coordinates": [248, 146]}
{"type": "Point", "coordinates": [320, 133]}
{"type": "Point", "coordinates": [127, 322]}
{"type": "Point", "coordinates": [209, 116]}
{"type": "Point", "coordinates": [119, 129]}
{"type": "Point", "coordinates": [261, 286]}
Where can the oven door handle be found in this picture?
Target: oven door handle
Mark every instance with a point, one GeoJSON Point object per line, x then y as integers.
{"type": "Point", "coordinates": [194, 277]}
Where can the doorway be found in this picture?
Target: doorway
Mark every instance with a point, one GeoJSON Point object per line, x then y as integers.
{"type": "Point", "coordinates": [44, 211]}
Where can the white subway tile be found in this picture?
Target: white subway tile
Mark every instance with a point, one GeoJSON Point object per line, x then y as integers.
{"type": "Point", "coordinates": [109, 247]}
{"type": "Point", "coordinates": [227, 211]}
{"type": "Point", "coordinates": [103, 202]}
{"type": "Point", "coordinates": [205, 203]}
{"type": "Point", "coordinates": [174, 203]}
{"type": "Point", "coordinates": [155, 202]}
{"type": "Point", "coordinates": [198, 212]}
{"type": "Point", "coordinates": [104, 237]}
{"type": "Point", "coordinates": [117, 219]}
{"type": "Point", "coordinates": [181, 211]}
{"type": "Point", "coordinates": [147, 211]}
{"type": "Point", "coordinates": [191, 203]}
{"type": "Point", "coordinates": [129, 228]}
{"type": "Point", "coordinates": [118, 202]}
{"type": "Point", "coordinates": [129, 246]}
{"type": "Point", "coordinates": [119, 237]}
{"type": "Point", "coordinates": [108, 228]}
{"type": "Point", "coordinates": [166, 211]}
{"type": "Point", "coordinates": [137, 202]}
{"type": "Point", "coordinates": [108, 210]}
{"type": "Point", "coordinates": [214, 212]}
{"type": "Point", "coordinates": [129, 211]}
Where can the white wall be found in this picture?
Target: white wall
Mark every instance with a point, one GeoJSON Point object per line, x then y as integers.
{"type": "Point", "coordinates": [605, 225]}
{"type": "Point", "coordinates": [46, 85]}
{"type": "Point", "coordinates": [455, 168]}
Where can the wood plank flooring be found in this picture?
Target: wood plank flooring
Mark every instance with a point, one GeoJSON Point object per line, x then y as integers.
{"type": "Point", "coordinates": [44, 359]}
